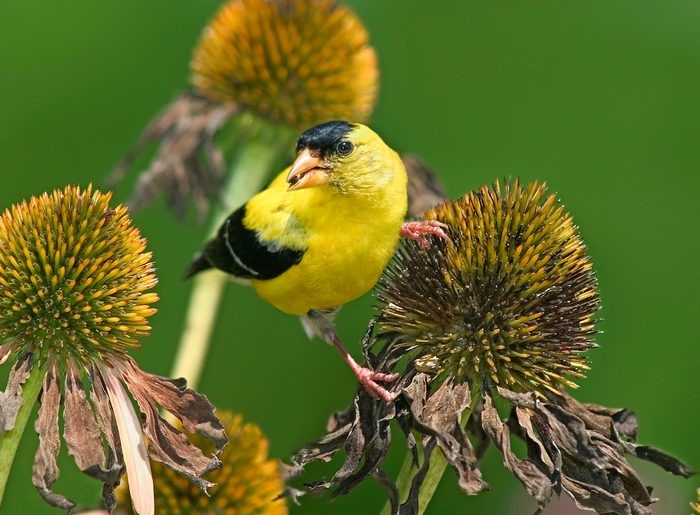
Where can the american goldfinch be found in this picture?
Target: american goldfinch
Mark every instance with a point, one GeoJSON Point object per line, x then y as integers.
{"type": "Point", "coordinates": [321, 234]}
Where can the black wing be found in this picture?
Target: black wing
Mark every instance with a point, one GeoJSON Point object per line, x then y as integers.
{"type": "Point", "coordinates": [237, 250]}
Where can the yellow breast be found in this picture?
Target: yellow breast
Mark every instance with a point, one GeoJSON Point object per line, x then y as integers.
{"type": "Point", "coordinates": [348, 242]}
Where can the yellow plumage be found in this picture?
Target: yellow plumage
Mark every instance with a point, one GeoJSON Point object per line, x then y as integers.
{"type": "Point", "coordinates": [323, 231]}
{"type": "Point", "coordinates": [348, 237]}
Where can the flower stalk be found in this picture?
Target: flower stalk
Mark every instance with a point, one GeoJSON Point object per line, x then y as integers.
{"type": "Point", "coordinates": [9, 441]}
{"type": "Point", "coordinates": [255, 164]}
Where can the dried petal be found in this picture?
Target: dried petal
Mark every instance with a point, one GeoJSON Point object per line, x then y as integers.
{"type": "Point", "coordinates": [81, 432]}
{"type": "Point", "coordinates": [45, 471]}
{"type": "Point", "coordinates": [138, 468]}
{"type": "Point", "coordinates": [11, 399]}
{"type": "Point", "coordinates": [537, 483]}
{"type": "Point", "coordinates": [167, 444]}
{"type": "Point", "coordinates": [193, 409]}
{"type": "Point", "coordinates": [188, 164]}
{"type": "Point", "coordinates": [425, 190]}
{"type": "Point", "coordinates": [104, 416]}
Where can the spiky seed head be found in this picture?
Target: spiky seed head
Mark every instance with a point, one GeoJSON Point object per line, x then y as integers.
{"type": "Point", "coordinates": [247, 481]}
{"type": "Point", "coordinates": [299, 62]}
{"type": "Point", "coordinates": [512, 300]}
{"type": "Point", "coordinates": [74, 276]}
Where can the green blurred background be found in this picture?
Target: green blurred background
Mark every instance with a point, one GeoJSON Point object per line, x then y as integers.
{"type": "Point", "coordinates": [598, 98]}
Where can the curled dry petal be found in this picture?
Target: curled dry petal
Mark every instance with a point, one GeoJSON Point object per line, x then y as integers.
{"type": "Point", "coordinates": [537, 483]}
{"type": "Point", "coordinates": [11, 399]}
{"type": "Point", "coordinates": [167, 444]}
{"type": "Point", "coordinates": [45, 471]}
{"type": "Point", "coordinates": [138, 468]}
{"type": "Point", "coordinates": [82, 433]}
{"type": "Point", "coordinates": [188, 164]}
{"type": "Point", "coordinates": [425, 190]}
{"type": "Point", "coordinates": [193, 409]}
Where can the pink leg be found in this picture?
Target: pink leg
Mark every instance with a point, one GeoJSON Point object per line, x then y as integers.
{"type": "Point", "coordinates": [366, 376]}
{"type": "Point", "coordinates": [420, 229]}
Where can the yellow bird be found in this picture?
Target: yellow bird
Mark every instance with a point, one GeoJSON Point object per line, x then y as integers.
{"type": "Point", "coordinates": [321, 234]}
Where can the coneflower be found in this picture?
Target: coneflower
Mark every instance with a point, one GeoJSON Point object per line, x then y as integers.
{"type": "Point", "coordinates": [247, 482]}
{"type": "Point", "coordinates": [291, 63]}
{"type": "Point", "coordinates": [506, 310]}
{"type": "Point", "coordinates": [75, 297]}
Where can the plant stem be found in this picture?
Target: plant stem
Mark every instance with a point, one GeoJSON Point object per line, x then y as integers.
{"type": "Point", "coordinates": [438, 464]}
{"type": "Point", "coordinates": [248, 174]}
{"type": "Point", "coordinates": [9, 442]}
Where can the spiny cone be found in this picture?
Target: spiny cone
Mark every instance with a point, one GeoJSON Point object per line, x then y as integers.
{"type": "Point", "coordinates": [299, 62]}
{"type": "Point", "coordinates": [248, 482]}
{"type": "Point", "coordinates": [74, 276]}
{"type": "Point", "coordinates": [511, 301]}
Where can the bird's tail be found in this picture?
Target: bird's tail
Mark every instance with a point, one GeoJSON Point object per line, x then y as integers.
{"type": "Point", "coordinates": [198, 264]}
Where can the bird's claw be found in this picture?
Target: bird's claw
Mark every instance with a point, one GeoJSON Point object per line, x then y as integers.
{"type": "Point", "coordinates": [368, 379]}
{"type": "Point", "coordinates": [418, 231]}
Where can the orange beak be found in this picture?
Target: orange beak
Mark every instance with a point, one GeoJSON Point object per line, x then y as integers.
{"type": "Point", "coordinates": [307, 171]}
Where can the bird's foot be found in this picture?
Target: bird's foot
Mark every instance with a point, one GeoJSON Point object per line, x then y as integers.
{"type": "Point", "coordinates": [368, 379]}
{"type": "Point", "coordinates": [418, 231]}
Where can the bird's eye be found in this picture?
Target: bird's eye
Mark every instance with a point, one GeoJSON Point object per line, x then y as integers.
{"type": "Point", "coordinates": [344, 147]}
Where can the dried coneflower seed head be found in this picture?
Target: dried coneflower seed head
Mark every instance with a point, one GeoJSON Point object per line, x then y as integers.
{"type": "Point", "coordinates": [299, 62]}
{"type": "Point", "coordinates": [511, 301]}
{"type": "Point", "coordinates": [247, 482]}
{"type": "Point", "coordinates": [74, 276]}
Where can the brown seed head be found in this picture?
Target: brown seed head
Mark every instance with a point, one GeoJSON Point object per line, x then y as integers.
{"type": "Point", "coordinates": [299, 62]}
{"type": "Point", "coordinates": [512, 301]}
{"type": "Point", "coordinates": [247, 482]}
{"type": "Point", "coordinates": [74, 276]}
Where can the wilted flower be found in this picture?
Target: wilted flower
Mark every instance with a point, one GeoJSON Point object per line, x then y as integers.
{"type": "Point", "coordinates": [293, 63]}
{"type": "Point", "coordinates": [75, 296]}
{"type": "Point", "coordinates": [506, 310]}
{"type": "Point", "coordinates": [248, 482]}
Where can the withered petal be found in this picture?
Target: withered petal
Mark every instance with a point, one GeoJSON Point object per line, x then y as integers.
{"type": "Point", "coordinates": [167, 444]}
{"type": "Point", "coordinates": [536, 482]}
{"type": "Point", "coordinates": [193, 409]}
{"type": "Point", "coordinates": [443, 412]}
{"type": "Point", "coordinates": [662, 459]}
{"type": "Point", "coordinates": [82, 433]}
{"type": "Point", "coordinates": [425, 190]}
{"type": "Point", "coordinates": [105, 416]}
{"type": "Point", "coordinates": [45, 470]}
{"type": "Point", "coordinates": [11, 399]}
{"type": "Point", "coordinates": [184, 129]}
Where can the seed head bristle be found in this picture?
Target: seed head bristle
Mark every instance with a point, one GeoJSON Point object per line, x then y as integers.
{"type": "Point", "coordinates": [512, 300]}
{"type": "Point", "coordinates": [74, 276]}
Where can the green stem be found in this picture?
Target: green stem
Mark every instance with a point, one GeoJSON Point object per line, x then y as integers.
{"type": "Point", "coordinates": [438, 464]}
{"type": "Point", "coordinates": [9, 441]}
{"type": "Point", "coordinates": [248, 175]}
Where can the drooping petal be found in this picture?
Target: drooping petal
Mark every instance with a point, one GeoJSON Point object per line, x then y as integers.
{"type": "Point", "coordinates": [138, 468]}
{"type": "Point", "coordinates": [104, 415]}
{"type": "Point", "coordinates": [167, 444]}
{"type": "Point", "coordinates": [45, 471]}
{"type": "Point", "coordinates": [81, 432]}
{"type": "Point", "coordinates": [537, 484]}
{"type": "Point", "coordinates": [11, 399]}
{"type": "Point", "coordinates": [193, 409]}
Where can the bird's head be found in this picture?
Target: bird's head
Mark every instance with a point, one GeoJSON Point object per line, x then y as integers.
{"type": "Point", "coordinates": [349, 157]}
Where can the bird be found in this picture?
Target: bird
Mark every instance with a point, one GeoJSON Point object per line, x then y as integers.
{"type": "Point", "coordinates": [322, 232]}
